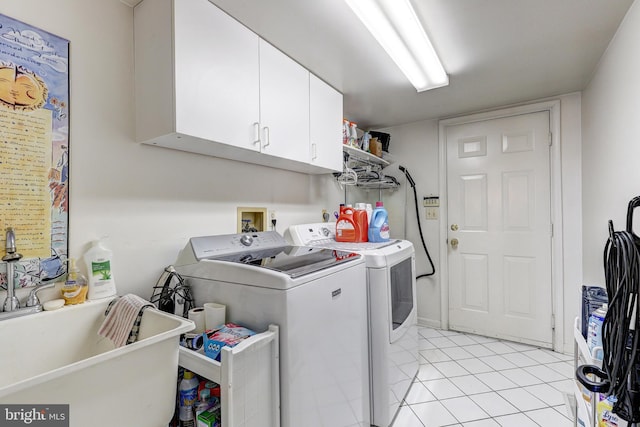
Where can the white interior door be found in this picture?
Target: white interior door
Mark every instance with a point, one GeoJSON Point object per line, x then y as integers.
{"type": "Point", "coordinates": [499, 231]}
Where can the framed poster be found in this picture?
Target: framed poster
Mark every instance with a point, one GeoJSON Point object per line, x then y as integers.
{"type": "Point", "coordinates": [34, 149]}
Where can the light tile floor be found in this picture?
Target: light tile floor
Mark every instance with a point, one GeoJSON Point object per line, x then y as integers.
{"type": "Point", "coordinates": [473, 381]}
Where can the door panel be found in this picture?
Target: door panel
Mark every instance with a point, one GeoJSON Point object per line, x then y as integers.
{"type": "Point", "coordinates": [519, 286]}
{"type": "Point", "coordinates": [518, 201]}
{"type": "Point", "coordinates": [475, 286]}
{"type": "Point", "coordinates": [499, 213]}
{"type": "Point", "coordinates": [474, 202]}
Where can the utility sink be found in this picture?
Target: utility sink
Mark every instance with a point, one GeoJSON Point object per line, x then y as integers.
{"type": "Point", "coordinates": [57, 357]}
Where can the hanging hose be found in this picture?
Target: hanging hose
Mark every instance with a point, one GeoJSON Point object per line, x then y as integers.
{"type": "Point", "coordinates": [415, 198]}
{"type": "Point", "coordinates": [620, 330]}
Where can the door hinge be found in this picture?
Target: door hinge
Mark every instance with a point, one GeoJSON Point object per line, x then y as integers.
{"type": "Point", "coordinates": [553, 322]}
{"type": "Point", "coordinates": [551, 229]}
{"type": "Point", "coordinates": [550, 136]}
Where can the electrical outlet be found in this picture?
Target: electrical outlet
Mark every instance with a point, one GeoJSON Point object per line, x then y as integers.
{"type": "Point", "coordinates": [431, 201]}
{"type": "Point", "coordinates": [432, 212]}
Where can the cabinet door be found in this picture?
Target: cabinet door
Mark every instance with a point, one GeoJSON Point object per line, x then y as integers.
{"type": "Point", "coordinates": [216, 75]}
{"type": "Point", "coordinates": [284, 105]}
{"type": "Point", "coordinates": [325, 105]}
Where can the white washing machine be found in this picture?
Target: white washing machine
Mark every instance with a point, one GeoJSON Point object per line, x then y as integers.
{"type": "Point", "coordinates": [318, 299]}
{"type": "Point", "coordinates": [392, 314]}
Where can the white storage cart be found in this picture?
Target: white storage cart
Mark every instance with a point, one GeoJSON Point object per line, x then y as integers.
{"type": "Point", "coordinates": [586, 402]}
{"type": "Point", "coordinates": [249, 379]}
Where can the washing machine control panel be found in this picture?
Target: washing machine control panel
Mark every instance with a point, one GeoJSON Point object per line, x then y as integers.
{"type": "Point", "coordinates": [208, 247]}
{"type": "Point", "coordinates": [314, 234]}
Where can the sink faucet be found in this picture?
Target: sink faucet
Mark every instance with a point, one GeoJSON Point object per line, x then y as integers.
{"type": "Point", "coordinates": [11, 303]}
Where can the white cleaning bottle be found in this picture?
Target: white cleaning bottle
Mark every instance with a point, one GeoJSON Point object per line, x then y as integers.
{"type": "Point", "coordinates": [188, 396]}
{"type": "Point", "coordinates": [594, 335]}
{"type": "Point", "coordinates": [98, 260]}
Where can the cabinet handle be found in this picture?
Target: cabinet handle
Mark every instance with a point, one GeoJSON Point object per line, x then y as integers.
{"type": "Point", "coordinates": [314, 151]}
{"type": "Point", "coordinates": [256, 133]}
{"type": "Point", "coordinates": [266, 136]}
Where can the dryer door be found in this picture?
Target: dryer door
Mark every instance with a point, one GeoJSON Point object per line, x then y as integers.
{"type": "Point", "coordinates": [402, 297]}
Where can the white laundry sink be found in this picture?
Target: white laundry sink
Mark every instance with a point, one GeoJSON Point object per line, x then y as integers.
{"type": "Point", "coordinates": [57, 357]}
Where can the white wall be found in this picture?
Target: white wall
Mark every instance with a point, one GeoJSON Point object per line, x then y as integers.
{"type": "Point", "coordinates": [149, 200]}
{"type": "Point", "coordinates": [572, 170]}
{"type": "Point", "coordinates": [415, 146]}
{"type": "Point", "coordinates": [611, 142]}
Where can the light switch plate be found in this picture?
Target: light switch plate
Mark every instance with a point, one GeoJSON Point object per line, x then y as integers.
{"type": "Point", "coordinates": [433, 201]}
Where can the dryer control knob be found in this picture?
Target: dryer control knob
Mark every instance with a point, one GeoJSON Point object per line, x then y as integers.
{"type": "Point", "coordinates": [246, 240]}
{"type": "Point", "coordinates": [325, 231]}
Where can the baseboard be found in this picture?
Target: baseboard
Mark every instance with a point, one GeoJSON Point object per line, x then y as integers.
{"type": "Point", "coordinates": [429, 323]}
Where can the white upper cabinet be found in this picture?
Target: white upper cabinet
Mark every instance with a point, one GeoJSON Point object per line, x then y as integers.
{"type": "Point", "coordinates": [325, 124]}
{"type": "Point", "coordinates": [200, 80]}
{"type": "Point", "coordinates": [204, 83]}
{"type": "Point", "coordinates": [216, 75]}
{"type": "Point", "coordinates": [284, 105]}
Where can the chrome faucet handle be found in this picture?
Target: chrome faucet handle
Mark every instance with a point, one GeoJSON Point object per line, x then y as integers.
{"type": "Point", "coordinates": [32, 299]}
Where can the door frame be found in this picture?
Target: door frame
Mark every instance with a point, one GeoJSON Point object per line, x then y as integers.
{"type": "Point", "coordinates": [555, 170]}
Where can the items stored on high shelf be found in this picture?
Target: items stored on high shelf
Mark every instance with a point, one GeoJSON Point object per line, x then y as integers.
{"type": "Point", "coordinates": [364, 169]}
{"type": "Point", "coordinates": [363, 158]}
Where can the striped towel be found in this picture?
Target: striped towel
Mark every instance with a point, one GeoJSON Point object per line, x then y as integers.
{"type": "Point", "coordinates": [122, 321]}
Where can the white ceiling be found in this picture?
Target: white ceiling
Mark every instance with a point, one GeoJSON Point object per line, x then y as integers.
{"type": "Point", "coordinates": [496, 52]}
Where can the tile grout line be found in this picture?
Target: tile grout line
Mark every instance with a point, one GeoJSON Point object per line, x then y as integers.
{"type": "Point", "coordinates": [467, 341]}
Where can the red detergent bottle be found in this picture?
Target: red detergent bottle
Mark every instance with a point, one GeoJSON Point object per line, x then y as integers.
{"type": "Point", "coordinates": [362, 223]}
{"type": "Point", "coordinates": [346, 227]}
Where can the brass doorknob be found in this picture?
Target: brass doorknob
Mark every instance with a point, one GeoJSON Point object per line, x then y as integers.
{"type": "Point", "coordinates": [454, 227]}
{"type": "Point", "coordinates": [454, 243]}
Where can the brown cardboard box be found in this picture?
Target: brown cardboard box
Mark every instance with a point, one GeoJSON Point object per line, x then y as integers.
{"type": "Point", "coordinates": [375, 147]}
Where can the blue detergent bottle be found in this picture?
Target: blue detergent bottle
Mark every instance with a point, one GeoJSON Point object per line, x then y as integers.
{"type": "Point", "coordinates": [379, 225]}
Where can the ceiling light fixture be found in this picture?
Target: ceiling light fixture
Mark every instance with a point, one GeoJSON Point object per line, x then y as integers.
{"type": "Point", "coordinates": [396, 27]}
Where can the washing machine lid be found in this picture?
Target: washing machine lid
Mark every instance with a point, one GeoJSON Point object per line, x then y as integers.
{"type": "Point", "coordinates": [267, 250]}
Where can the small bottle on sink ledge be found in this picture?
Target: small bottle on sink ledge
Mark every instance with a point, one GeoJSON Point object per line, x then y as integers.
{"type": "Point", "coordinates": [74, 289]}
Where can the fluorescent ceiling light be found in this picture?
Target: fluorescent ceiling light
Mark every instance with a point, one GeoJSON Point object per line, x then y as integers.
{"type": "Point", "coordinates": [395, 25]}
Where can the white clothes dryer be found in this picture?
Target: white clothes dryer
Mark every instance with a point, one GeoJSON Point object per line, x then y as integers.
{"type": "Point", "coordinates": [318, 299]}
{"type": "Point", "coordinates": [392, 313]}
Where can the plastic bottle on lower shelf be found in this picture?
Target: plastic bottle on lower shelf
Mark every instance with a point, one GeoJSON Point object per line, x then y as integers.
{"type": "Point", "coordinates": [594, 333]}
{"type": "Point", "coordinates": [188, 392]}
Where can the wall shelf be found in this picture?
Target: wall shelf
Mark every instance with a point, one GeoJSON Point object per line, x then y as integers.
{"type": "Point", "coordinates": [358, 155]}
{"type": "Point", "coordinates": [368, 169]}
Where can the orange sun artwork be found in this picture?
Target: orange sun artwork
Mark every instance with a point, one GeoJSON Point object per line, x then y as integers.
{"type": "Point", "coordinates": [21, 89]}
